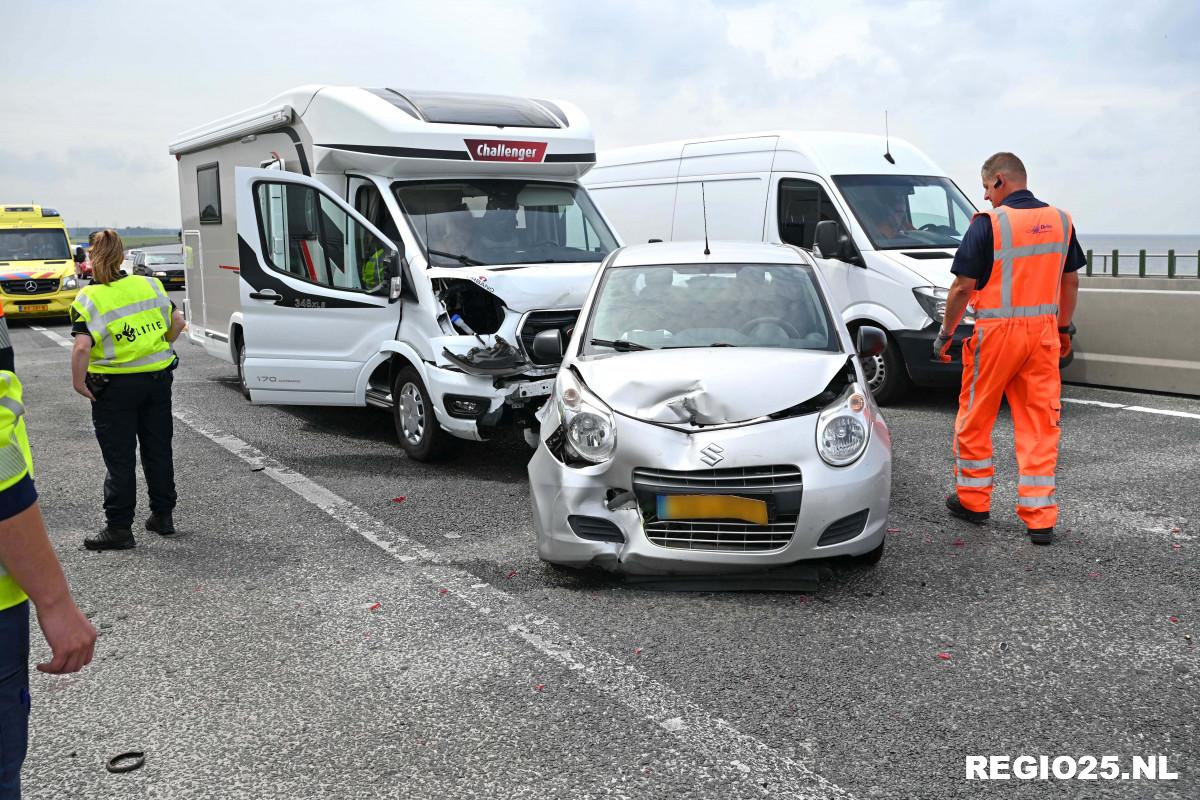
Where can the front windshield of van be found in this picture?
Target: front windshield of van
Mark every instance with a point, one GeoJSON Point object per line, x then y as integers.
{"type": "Point", "coordinates": [709, 305]}
{"type": "Point", "coordinates": [487, 222]}
{"type": "Point", "coordinates": [907, 211]}
{"type": "Point", "coordinates": [34, 245]}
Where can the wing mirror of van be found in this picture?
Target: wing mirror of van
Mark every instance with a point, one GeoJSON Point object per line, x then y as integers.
{"type": "Point", "coordinates": [548, 346]}
{"type": "Point", "coordinates": [871, 341]}
{"type": "Point", "coordinates": [829, 240]}
{"type": "Point", "coordinates": [395, 273]}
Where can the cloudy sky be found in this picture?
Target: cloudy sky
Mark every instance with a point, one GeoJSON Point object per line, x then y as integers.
{"type": "Point", "coordinates": [1101, 99]}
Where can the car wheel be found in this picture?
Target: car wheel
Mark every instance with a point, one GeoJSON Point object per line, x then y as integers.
{"type": "Point", "coordinates": [241, 367]}
{"type": "Point", "coordinates": [869, 559]}
{"type": "Point", "coordinates": [417, 427]}
{"type": "Point", "coordinates": [886, 375]}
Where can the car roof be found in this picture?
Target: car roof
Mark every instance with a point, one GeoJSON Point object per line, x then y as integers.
{"type": "Point", "coordinates": [720, 252]}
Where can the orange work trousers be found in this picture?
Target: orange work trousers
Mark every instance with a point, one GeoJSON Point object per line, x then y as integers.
{"type": "Point", "coordinates": [1018, 359]}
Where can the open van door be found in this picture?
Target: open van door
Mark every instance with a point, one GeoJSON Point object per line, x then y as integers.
{"type": "Point", "coordinates": [319, 290]}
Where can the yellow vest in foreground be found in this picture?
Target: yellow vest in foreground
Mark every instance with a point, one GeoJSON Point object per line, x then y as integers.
{"type": "Point", "coordinates": [15, 463]}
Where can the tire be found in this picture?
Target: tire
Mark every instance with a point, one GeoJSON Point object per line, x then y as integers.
{"type": "Point", "coordinates": [886, 374]}
{"type": "Point", "coordinates": [417, 428]}
{"type": "Point", "coordinates": [869, 559]}
{"type": "Point", "coordinates": [240, 355]}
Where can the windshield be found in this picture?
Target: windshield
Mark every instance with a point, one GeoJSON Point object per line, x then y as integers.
{"type": "Point", "coordinates": [709, 305]}
{"type": "Point", "coordinates": [907, 211]}
{"type": "Point", "coordinates": [27, 245]}
{"type": "Point", "coordinates": [485, 222]}
{"type": "Point", "coordinates": [155, 259]}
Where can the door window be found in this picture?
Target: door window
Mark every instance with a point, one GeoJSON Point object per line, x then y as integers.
{"type": "Point", "coordinates": [308, 236]}
{"type": "Point", "coordinates": [802, 204]}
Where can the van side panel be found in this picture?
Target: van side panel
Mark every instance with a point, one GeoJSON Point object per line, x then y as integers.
{"type": "Point", "coordinates": [214, 290]}
{"type": "Point", "coordinates": [735, 207]}
{"type": "Point", "coordinates": [641, 211]}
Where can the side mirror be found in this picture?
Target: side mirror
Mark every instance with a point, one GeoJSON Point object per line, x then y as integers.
{"type": "Point", "coordinates": [871, 341]}
{"type": "Point", "coordinates": [831, 242]}
{"type": "Point", "coordinates": [548, 346]}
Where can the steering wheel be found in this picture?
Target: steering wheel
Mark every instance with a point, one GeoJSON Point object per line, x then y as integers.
{"type": "Point", "coordinates": [788, 327]}
{"type": "Point", "coordinates": [934, 228]}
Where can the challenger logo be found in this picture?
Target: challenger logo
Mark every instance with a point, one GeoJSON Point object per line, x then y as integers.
{"type": "Point", "coordinates": [129, 333]}
{"type": "Point", "coordinates": [501, 150]}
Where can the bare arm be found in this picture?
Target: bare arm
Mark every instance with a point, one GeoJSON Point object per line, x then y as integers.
{"type": "Point", "coordinates": [956, 303]}
{"type": "Point", "coordinates": [80, 355]}
{"type": "Point", "coordinates": [177, 325]}
{"type": "Point", "coordinates": [26, 553]}
{"type": "Point", "coordinates": [1068, 298]}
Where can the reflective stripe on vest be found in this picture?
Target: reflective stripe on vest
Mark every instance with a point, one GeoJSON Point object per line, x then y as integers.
{"type": "Point", "coordinates": [16, 462]}
{"type": "Point", "coordinates": [128, 320]}
{"type": "Point", "coordinates": [1030, 247]}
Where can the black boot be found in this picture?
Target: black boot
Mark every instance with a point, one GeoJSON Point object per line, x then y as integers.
{"type": "Point", "coordinates": [1041, 535]}
{"type": "Point", "coordinates": [162, 524]}
{"type": "Point", "coordinates": [110, 539]}
{"type": "Point", "coordinates": [957, 509]}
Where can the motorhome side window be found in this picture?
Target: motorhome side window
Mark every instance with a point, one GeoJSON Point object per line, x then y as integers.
{"type": "Point", "coordinates": [802, 204]}
{"type": "Point", "coordinates": [484, 222]}
{"type": "Point", "coordinates": [208, 192]}
{"type": "Point", "coordinates": [308, 236]}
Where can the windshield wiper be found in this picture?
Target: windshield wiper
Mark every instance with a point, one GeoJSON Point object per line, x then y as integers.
{"type": "Point", "coordinates": [621, 346]}
{"type": "Point", "coordinates": [466, 261]}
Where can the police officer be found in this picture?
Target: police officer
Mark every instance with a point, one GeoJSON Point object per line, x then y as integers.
{"type": "Point", "coordinates": [1018, 267]}
{"type": "Point", "coordinates": [123, 363]}
{"type": "Point", "coordinates": [29, 570]}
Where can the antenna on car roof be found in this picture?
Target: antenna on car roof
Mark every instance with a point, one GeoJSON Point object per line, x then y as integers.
{"type": "Point", "coordinates": [704, 212]}
{"type": "Point", "coordinates": [887, 144]}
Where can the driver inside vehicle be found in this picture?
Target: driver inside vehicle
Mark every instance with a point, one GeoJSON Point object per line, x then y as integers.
{"type": "Point", "coordinates": [893, 219]}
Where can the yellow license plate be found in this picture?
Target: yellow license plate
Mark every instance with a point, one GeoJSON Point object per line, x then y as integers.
{"type": "Point", "coordinates": [712, 506]}
{"type": "Point", "coordinates": [30, 309]}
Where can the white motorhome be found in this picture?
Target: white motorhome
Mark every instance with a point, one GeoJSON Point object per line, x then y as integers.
{"type": "Point", "coordinates": [400, 249]}
{"type": "Point", "coordinates": [894, 220]}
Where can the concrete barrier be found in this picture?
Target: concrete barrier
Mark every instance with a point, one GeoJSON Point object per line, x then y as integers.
{"type": "Point", "coordinates": [1138, 333]}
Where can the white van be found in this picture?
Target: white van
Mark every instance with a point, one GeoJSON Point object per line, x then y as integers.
{"type": "Point", "coordinates": [895, 220]}
{"type": "Point", "coordinates": [401, 249]}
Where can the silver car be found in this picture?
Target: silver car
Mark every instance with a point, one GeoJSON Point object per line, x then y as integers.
{"type": "Point", "coordinates": [710, 417]}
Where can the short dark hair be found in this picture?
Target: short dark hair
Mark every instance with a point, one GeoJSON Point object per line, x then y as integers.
{"type": "Point", "coordinates": [1006, 164]}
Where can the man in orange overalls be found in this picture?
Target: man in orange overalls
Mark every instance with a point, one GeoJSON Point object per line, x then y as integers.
{"type": "Point", "coordinates": [1018, 268]}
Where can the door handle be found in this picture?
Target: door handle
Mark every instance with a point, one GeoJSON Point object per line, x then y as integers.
{"type": "Point", "coordinates": [266, 295]}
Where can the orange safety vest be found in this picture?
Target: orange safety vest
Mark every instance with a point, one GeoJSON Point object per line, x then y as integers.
{"type": "Point", "coordinates": [1030, 254]}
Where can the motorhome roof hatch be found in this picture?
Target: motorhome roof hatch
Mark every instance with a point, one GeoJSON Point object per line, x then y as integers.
{"type": "Point", "coordinates": [474, 109]}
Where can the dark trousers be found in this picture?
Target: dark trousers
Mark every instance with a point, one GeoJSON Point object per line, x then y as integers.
{"type": "Point", "coordinates": [135, 410]}
{"type": "Point", "coordinates": [14, 697]}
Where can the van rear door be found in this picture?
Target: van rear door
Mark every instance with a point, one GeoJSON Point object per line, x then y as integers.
{"type": "Point", "coordinates": [316, 290]}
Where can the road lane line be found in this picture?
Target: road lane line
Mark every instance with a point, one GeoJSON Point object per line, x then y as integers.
{"type": "Point", "coordinates": [54, 336]}
{"type": "Point", "coordinates": [1141, 409]}
{"type": "Point", "coordinates": [716, 739]}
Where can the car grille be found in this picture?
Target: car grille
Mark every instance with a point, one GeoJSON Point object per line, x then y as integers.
{"type": "Point", "coordinates": [781, 486]}
{"type": "Point", "coordinates": [537, 321]}
{"type": "Point", "coordinates": [30, 286]}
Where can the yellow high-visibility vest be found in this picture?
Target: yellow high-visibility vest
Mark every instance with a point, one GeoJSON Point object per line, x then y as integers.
{"type": "Point", "coordinates": [128, 319]}
{"type": "Point", "coordinates": [16, 462]}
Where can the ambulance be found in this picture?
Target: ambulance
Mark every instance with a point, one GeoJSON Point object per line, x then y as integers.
{"type": "Point", "coordinates": [394, 248]}
{"type": "Point", "coordinates": [37, 273]}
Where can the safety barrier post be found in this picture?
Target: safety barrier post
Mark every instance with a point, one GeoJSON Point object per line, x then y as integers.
{"type": "Point", "coordinates": [1170, 263]}
{"type": "Point", "coordinates": [1198, 263]}
{"type": "Point", "coordinates": [1090, 258]}
{"type": "Point", "coordinates": [1141, 263]}
{"type": "Point", "coordinates": [1116, 255]}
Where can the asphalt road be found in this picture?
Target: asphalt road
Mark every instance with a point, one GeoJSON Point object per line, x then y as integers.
{"type": "Point", "coordinates": [248, 658]}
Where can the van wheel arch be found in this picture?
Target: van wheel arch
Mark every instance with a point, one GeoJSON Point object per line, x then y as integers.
{"type": "Point", "coordinates": [887, 374]}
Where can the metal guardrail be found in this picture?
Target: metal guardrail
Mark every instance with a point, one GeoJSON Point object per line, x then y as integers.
{"type": "Point", "coordinates": [1110, 264]}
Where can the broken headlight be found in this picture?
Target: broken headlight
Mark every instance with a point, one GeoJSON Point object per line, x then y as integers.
{"type": "Point", "coordinates": [844, 428]}
{"type": "Point", "coordinates": [932, 300]}
{"type": "Point", "coordinates": [590, 427]}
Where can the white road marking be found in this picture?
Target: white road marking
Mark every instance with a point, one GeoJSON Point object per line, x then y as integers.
{"type": "Point", "coordinates": [54, 336]}
{"type": "Point", "coordinates": [1162, 411]}
{"type": "Point", "coordinates": [713, 737]}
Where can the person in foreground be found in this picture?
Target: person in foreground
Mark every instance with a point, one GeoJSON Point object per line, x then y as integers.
{"type": "Point", "coordinates": [29, 570]}
{"type": "Point", "coordinates": [1018, 268]}
{"type": "Point", "coordinates": [123, 362]}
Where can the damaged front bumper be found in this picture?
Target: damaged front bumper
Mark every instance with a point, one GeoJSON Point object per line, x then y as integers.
{"type": "Point", "coordinates": [839, 511]}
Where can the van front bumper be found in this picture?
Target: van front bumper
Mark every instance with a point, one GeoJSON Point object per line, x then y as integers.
{"type": "Point", "coordinates": [917, 349]}
{"type": "Point", "coordinates": [20, 306]}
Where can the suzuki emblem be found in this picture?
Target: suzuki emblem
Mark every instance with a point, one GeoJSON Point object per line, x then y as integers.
{"type": "Point", "coordinates": [31, 287]}
{"type": "Point", "coordinates": [712, 455]}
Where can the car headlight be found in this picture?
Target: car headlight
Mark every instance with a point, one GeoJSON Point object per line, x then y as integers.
{"type": "Point", "coordinates": [159, 274]}
{"type": "Point", "coordinates": [932, 300]}
{"type": "Point", "coordinates": [70, 283]}
{"type": "Point", "coordinates": [590, 427]}
{"type": "Point", "coordinates": [844, 427]}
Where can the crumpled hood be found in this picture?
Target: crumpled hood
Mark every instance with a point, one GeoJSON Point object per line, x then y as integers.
{"type": "Point", "coordinates": [713, 386]}
{"type": "Point", "coordinates": [530, 286]}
